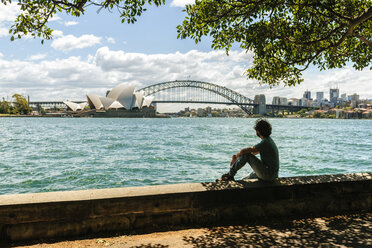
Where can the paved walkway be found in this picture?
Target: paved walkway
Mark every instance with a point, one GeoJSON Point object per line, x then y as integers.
{"type": "Point", "coordinates": [353, 230]}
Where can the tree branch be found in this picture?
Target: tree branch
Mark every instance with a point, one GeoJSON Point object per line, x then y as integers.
{"type": "Point", "coordinates": [363, 39]}
{"type": "Point", "coordinates": [71, 5]}
{"type": "Point", "coordinates": [367, 14]}
{"type": "Point", "coordinates": [329, 34]}
{"type": "Point", "coordinates": [47, 17]}
{"type": "Point", "coordinates": [335, 13]}
{"type": "Point", "coordinates": [78, 6]}
{"type": "Point", "coordinates": [343, 38]}
{"type": "Point", "coordinates": [314, 5]}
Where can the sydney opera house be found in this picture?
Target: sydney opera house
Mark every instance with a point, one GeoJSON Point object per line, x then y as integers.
{"type": "Point", "coordinates": [121, 101]}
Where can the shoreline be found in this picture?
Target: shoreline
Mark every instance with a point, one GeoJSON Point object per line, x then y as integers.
{"type": "Point", "coordinates": [168, 116]}
{"type": "Point", "coordinates": [80, 117]}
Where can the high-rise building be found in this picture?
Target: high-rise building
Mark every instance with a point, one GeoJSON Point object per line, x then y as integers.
{"type": "Point", "coordinates": [260, 99]}
{"type": "Point", "coordinates": [354, 97]}
{"type": "Point", "coordinates": [307, 95]}
{"type": "Point", "coordinates": [283, 101]}
{"type": "Point", "coordinates": [208, 110]}
{"type": "Point", "coordinates": [293, 101]}
{"type": "Point", "coordinates": [276, 100]}
{"type": "Point", "coordinates": [343, 97]}
{"type": "Point", "coordinates": [354, 100]}
{"type": "Point", "coordinates": [333, 95]}
{"type": "Point", "coordinates": [319, 96]}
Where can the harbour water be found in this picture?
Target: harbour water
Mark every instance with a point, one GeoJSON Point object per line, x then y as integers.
{"type": "Point", "coordinates": [53, 154]}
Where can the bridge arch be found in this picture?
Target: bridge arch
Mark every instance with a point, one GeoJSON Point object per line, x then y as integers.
{"type": "Point", "coordinates": [234, 97]}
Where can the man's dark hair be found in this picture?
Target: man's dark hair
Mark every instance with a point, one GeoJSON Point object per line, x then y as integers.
{"type": "Point", "coordinates": [264, 127]}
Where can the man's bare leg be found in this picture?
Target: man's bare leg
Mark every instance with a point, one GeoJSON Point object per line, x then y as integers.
{"type": "Point", "coordinates": [233, 160]}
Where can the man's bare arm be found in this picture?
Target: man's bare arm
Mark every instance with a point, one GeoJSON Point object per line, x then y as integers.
{"type": "Point", "coordinates": [244, 151]}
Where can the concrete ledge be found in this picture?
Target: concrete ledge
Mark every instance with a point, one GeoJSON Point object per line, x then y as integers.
{"type": "Point", "coordinates": [73, 213]}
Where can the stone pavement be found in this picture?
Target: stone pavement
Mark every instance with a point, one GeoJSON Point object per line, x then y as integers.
{"type": "Point", "coordinates": [349, 230]}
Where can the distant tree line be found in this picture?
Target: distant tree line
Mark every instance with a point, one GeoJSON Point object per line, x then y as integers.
{"type": "Point", "coordinates": [18, 106]}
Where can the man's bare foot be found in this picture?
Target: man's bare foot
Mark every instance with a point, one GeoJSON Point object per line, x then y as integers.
{"type": "Point", "coordinates": [227, 177]}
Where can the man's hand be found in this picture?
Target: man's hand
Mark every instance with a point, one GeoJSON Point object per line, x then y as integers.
{"type": "Point", "coordinates": [244, 151]}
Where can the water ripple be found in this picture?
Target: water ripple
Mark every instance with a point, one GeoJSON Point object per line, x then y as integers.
{"type": "Point", "coordinates": [51, 154]}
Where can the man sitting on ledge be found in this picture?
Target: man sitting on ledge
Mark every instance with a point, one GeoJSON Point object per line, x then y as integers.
{"type": "Point", "coordinates": [267, 167]}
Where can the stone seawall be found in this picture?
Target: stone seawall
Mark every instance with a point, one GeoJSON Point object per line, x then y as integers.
{"type": "Point", "coordinates": [76, 213]}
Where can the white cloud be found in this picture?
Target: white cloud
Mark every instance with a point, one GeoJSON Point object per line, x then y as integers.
{"type": "Point", "coordinates": [38, 56]}
{"type": "Point", "coordinates": [211, 66]}
{"type": "Point", "coordinates": [70, 23]}
{"type": "Point", "coordinates": [9, 12]}
{"type": "Point", "coordinates": [181, 3]}
{"type": "Point", "coordinates": [4, 32]}
{"type": "Point", "coordinates": [57, 33]}
{"type": "Point", "coordinates": [71, 42]}
{"type": "Point", "coordinates": [110, 40]}
{"type": "Point", "coordinates": [73, 77]}
{"type": "Point", "coordinates": [58, 79]}
{"type": "Point", "coordinates": [54, 18]}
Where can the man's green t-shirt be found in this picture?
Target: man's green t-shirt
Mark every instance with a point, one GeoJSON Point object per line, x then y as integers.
{"type": "Point", "coordinates": [269, 153]}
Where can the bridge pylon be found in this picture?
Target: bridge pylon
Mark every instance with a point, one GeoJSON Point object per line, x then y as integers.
{"type": "Point", "coordinates": [260, 107]}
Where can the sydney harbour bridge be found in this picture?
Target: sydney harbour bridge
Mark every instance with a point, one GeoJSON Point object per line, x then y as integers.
{"type": "Point", "coordinates": [197, 92]}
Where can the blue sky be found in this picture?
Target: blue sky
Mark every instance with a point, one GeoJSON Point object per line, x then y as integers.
{"type": "Point", "coordinates": [95, 52]}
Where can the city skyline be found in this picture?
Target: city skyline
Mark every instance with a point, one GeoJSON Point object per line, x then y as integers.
{"type": "Point", "coordinates": [320, 99]}
{"type": "Point", "coordinates": [308, 94]}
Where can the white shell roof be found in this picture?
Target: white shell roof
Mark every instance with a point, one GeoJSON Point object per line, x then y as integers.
{"type": "Point", "coordinates": [115, 105]}
{"type": "Point", "coordinates": [74, 106]}
{"type": "Point", "coordinates": [116, 91]}
{"type": "Point", "coordinates": [139, 99]}
{"type": "Point", "coordinates": [125, 97]}
{"type": "Point", "coordinates": [95, 101]}
{"type": "Point", "coordinates": [147, 101]}
{"type": "Point", "coordinates": [106, 101]}
{"type": "Point", "coordinates": [71, 105]}
{"type": "Point", "coordinates": [83, 105]}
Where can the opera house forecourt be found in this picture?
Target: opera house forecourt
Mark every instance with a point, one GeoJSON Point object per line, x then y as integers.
{"type": "Point", "coordinates": [121, 101]}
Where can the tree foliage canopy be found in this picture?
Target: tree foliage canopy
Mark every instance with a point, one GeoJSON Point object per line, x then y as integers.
{"type": "Point", "coordinates": [287, 36]}
{"type": "Point", "coordinates": [5, 107]}
{"type": "Point", "coordinates": [21, 104]}
{"type": "Point", "coordinates": [35, 14]}
{"type": "Point", "coordinates": [18, 106]}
